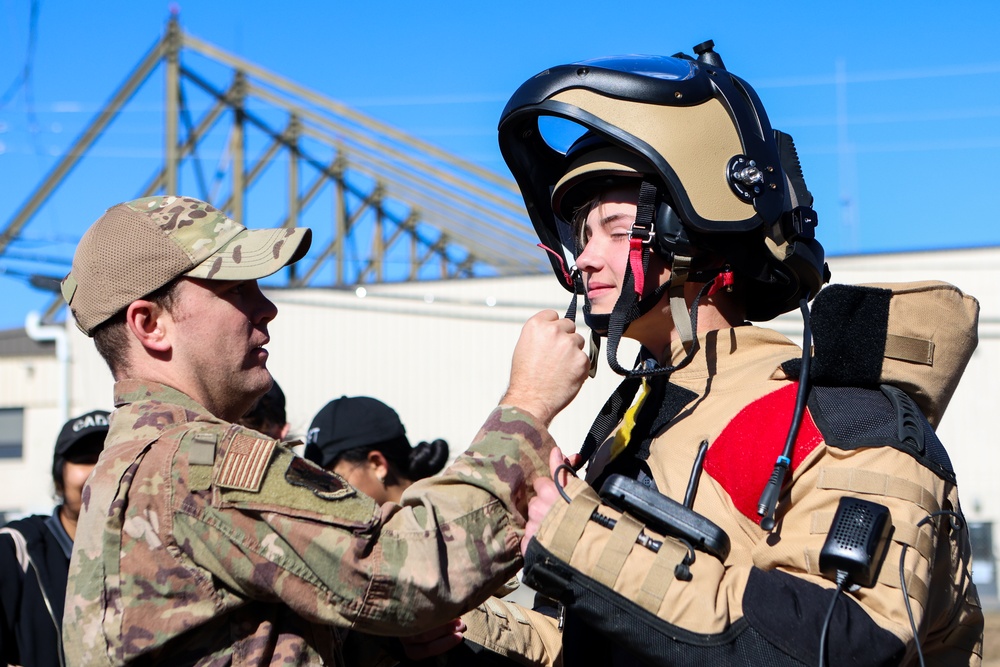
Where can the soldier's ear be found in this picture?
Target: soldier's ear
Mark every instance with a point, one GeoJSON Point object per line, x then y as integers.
{"type": "Point", "coordinates": [149, 323]}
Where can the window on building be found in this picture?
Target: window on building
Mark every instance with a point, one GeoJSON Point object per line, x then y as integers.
{"type": "Point", "coordinates": [11, 433]}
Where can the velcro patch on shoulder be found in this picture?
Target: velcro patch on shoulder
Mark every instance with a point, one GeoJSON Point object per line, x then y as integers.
{"type": "Point", "coordinates": [245, 462]}
{"type": "Point", "coordinates": [742, 457]}
{"type": "Point", "coordinates": [202, 449]}
{"type": "Point", "coordinates": [323, 484]}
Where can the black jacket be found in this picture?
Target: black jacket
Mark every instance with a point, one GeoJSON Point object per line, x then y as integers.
{"type": "Point", "coordinates": [33, 574]}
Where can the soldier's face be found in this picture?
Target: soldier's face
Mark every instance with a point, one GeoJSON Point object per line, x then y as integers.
{"type": "Point", "coordinates": [218, 337]}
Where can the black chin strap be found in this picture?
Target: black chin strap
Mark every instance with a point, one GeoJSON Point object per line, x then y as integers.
{"type": "Point", "coordinates": [595, 331]}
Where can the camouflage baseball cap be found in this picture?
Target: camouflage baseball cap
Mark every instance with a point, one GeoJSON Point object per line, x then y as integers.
{"type": "Point", "coordinates": [139, 246]}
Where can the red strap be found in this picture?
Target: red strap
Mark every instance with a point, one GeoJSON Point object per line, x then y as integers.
{"type": "Point", "coordinates": [721, 281]}
{"type": "Point", "coordinates": [635, 260]}
{"type": "Point", "coordinates": [562, 264]}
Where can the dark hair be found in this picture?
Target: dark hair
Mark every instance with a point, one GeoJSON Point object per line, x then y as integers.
{"type": "Point", "coordinates": [411, 463]}
{"type": "Point", "coordinates": [111, 337]}
{"type": "Point", "coordinates": [268, 413]}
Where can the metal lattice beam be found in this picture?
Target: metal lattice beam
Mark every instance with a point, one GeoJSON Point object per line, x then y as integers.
{"type": "Point", "coordinates": [397, 203]}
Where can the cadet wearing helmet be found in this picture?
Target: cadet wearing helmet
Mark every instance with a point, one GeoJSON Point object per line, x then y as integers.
{"type": "Point", "coordinates": [204, 542]}
{"type": "Point", "coordinates": [682, 214]}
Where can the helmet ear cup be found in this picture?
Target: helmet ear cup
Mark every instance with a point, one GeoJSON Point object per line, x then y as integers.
{"type": "Point", "coordinates": [671, 236]}
{"type": "Point", "coordinates": [775, 281]}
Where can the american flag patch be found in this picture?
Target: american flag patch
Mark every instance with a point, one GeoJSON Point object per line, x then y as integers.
{"type": "Point", "coordinates": [245, 463]}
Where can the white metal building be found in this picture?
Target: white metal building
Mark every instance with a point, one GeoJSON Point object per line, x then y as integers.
{"type": "Point", "coordinates": [439, 352]}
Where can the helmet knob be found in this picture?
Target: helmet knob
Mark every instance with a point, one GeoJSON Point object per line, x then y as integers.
{"type": "Point", "coordinates": [707, 55]}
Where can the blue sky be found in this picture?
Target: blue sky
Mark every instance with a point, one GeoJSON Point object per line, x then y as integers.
{"type": "Point", "coordinates": [900, 155]}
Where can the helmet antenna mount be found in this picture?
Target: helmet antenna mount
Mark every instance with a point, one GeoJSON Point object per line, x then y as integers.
{"type": "Point", "coordinates": [707, 55]}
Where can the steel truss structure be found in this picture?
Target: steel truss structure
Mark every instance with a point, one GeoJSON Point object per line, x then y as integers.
{"type": "Point", "coordinates": [399, 208]}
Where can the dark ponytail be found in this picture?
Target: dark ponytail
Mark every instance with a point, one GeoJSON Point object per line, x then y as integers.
{"type": "Point", "coordinates": [427, 459]}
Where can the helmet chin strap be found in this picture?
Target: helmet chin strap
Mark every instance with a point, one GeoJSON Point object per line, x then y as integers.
{"type": "Point", "coordinates": [631, 305]}
{"type": "Point", "coordinates": [680, 269]}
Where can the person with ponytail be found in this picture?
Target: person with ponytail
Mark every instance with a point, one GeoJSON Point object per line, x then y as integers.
{"type": "Point", "coordinates": [363, 440]}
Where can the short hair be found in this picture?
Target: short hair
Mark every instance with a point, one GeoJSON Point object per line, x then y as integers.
{"type": "Point", "coordinates": [111, 337]}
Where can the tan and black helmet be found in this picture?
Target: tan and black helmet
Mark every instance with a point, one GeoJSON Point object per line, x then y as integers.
{"type": "Point", "coordinates": [701, 135]}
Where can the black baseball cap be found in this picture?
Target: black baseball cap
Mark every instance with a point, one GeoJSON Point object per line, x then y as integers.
{"type": "Point", "coordinates": [352, 422]}
{"type": "Point", "coordinates": [83, 435]}
{"type": "Point", "coordinates": [90, 426]}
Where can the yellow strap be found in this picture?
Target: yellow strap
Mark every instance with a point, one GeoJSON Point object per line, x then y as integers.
{"type": "Point", "coordinates": [628, 423]}
{"type": "Point", "coordinates": [616, 551]}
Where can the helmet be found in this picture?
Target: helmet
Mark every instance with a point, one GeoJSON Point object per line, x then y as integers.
{"type": "Point", "coordinates": [726, 183]}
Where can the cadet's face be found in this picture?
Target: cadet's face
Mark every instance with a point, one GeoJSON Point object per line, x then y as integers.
{"type": "Point", "coordinates": [74, 476]}
{"type": "Point", "coordinates": [363, 476]}
{"type": "Point", "coordinates": [220, 328]}
{"type": "Point", "coordinates": [605, 253]}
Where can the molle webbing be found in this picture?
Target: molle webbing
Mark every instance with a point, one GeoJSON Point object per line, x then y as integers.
{"type": "Point", "coordinates": [572, 526]}
{"type": "Point", "coordinates": [661, 575]}
{"type": "Point", "coordinates": [874, 483]}
{"type": "Point", "coordinates": [907, 534]}
{"type": "Point", "coordinates": [616, 550]}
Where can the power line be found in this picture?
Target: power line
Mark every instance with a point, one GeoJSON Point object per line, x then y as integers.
{"type": "Point", "coordinates": [23, 78]}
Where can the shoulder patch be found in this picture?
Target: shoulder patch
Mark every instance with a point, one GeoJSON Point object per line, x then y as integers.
{"type": "Point", "coordinates": [742, 457]}
{"type": "Point", "coordinates": [323, 484]}
{"type": "Point", "coordinates": [202, 450]}
{"type": "Point", "coordinates": [244, 463]}
{"type": "Point", "coordinates": [856, 417]}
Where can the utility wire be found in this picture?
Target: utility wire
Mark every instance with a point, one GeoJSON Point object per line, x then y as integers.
{"type": "Point", "coordinates": [23, 78]}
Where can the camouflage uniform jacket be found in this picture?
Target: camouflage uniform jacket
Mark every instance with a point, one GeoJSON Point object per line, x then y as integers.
{"type": "Point", "coordinates": [204, 543]}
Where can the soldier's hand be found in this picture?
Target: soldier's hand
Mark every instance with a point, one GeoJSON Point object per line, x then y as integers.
{"type": "Point", "coordinates": [435, 641]}
{"type": "Point", "coordinates": [548, 368]}
{"type": "Point", "coordinates": [546, 494]}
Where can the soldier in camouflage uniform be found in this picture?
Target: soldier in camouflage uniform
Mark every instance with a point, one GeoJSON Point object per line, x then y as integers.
{"type": "Point", "coordinates": [203, 542]}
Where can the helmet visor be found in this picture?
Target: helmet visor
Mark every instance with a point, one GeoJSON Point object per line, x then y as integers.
{"type": "Point", "coordinates": [659, 67]}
